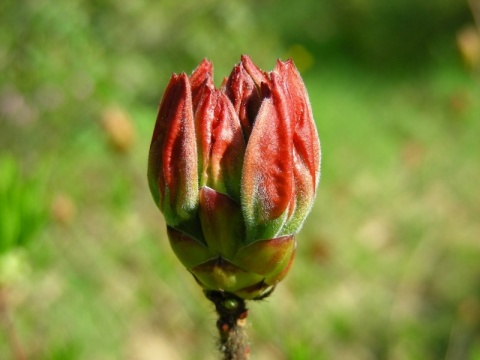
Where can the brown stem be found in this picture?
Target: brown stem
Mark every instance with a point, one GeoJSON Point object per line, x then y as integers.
{"type": "Point", "coordinates": [232, 318]}
{"type": "Point", "coordinates": [15, 347]}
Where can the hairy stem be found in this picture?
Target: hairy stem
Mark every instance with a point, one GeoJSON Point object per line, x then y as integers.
{"type": "Point", "coordinates": [232, 318]}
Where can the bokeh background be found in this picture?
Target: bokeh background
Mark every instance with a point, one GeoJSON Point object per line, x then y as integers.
{"type": "Point", "coordinates": [388, 263]}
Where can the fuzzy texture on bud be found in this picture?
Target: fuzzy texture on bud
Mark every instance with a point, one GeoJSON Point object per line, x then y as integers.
{"type": "Point", "coordinates": [235, 171]}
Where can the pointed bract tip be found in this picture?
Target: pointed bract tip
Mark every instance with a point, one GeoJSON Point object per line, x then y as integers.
{"type": "Point", "coordinates": [203, 74]}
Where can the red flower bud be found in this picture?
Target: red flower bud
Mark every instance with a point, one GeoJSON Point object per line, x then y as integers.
{"type": "Point", "coordinates": [235, 171]}
{"type": "Point", "coordinates": [172, 164]}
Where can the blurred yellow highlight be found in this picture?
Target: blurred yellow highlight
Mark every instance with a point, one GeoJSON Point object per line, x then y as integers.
{"type": "Point", "coordinates": [119, 129]}
{"type": "Point", "coordinates": [303, 58]}
{"type": "Point", "coordinates": [468, 42]}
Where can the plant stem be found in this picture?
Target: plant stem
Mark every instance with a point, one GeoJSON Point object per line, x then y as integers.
{"type": "Point", "coordinates": [232, 318]}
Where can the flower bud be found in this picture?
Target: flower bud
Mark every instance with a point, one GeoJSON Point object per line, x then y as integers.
{"type": "Point", "coordinates": [235, 171]}
{"type": "Point", "coordinates": [172, 165]}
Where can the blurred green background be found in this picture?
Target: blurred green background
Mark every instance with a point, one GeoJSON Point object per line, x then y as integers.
{"type": "Point", "coordinates": [388, 263]}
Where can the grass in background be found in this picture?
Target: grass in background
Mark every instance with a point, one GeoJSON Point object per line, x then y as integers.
{"type": "Point", "coordinates": [387, 264]}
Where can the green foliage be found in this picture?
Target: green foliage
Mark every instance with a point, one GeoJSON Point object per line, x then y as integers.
{"type": "Point", "coordinates": [401, 33]}
{"type": "Point", "coordinates": [387, 264]}
{"type": "Point", "coordinates": [22, 207]}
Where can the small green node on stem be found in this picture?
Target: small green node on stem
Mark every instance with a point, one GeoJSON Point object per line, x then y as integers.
{"type": "Point", "coordinates": [230, 304]}
{"type": "Point", "coordinates": [232, 318]}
